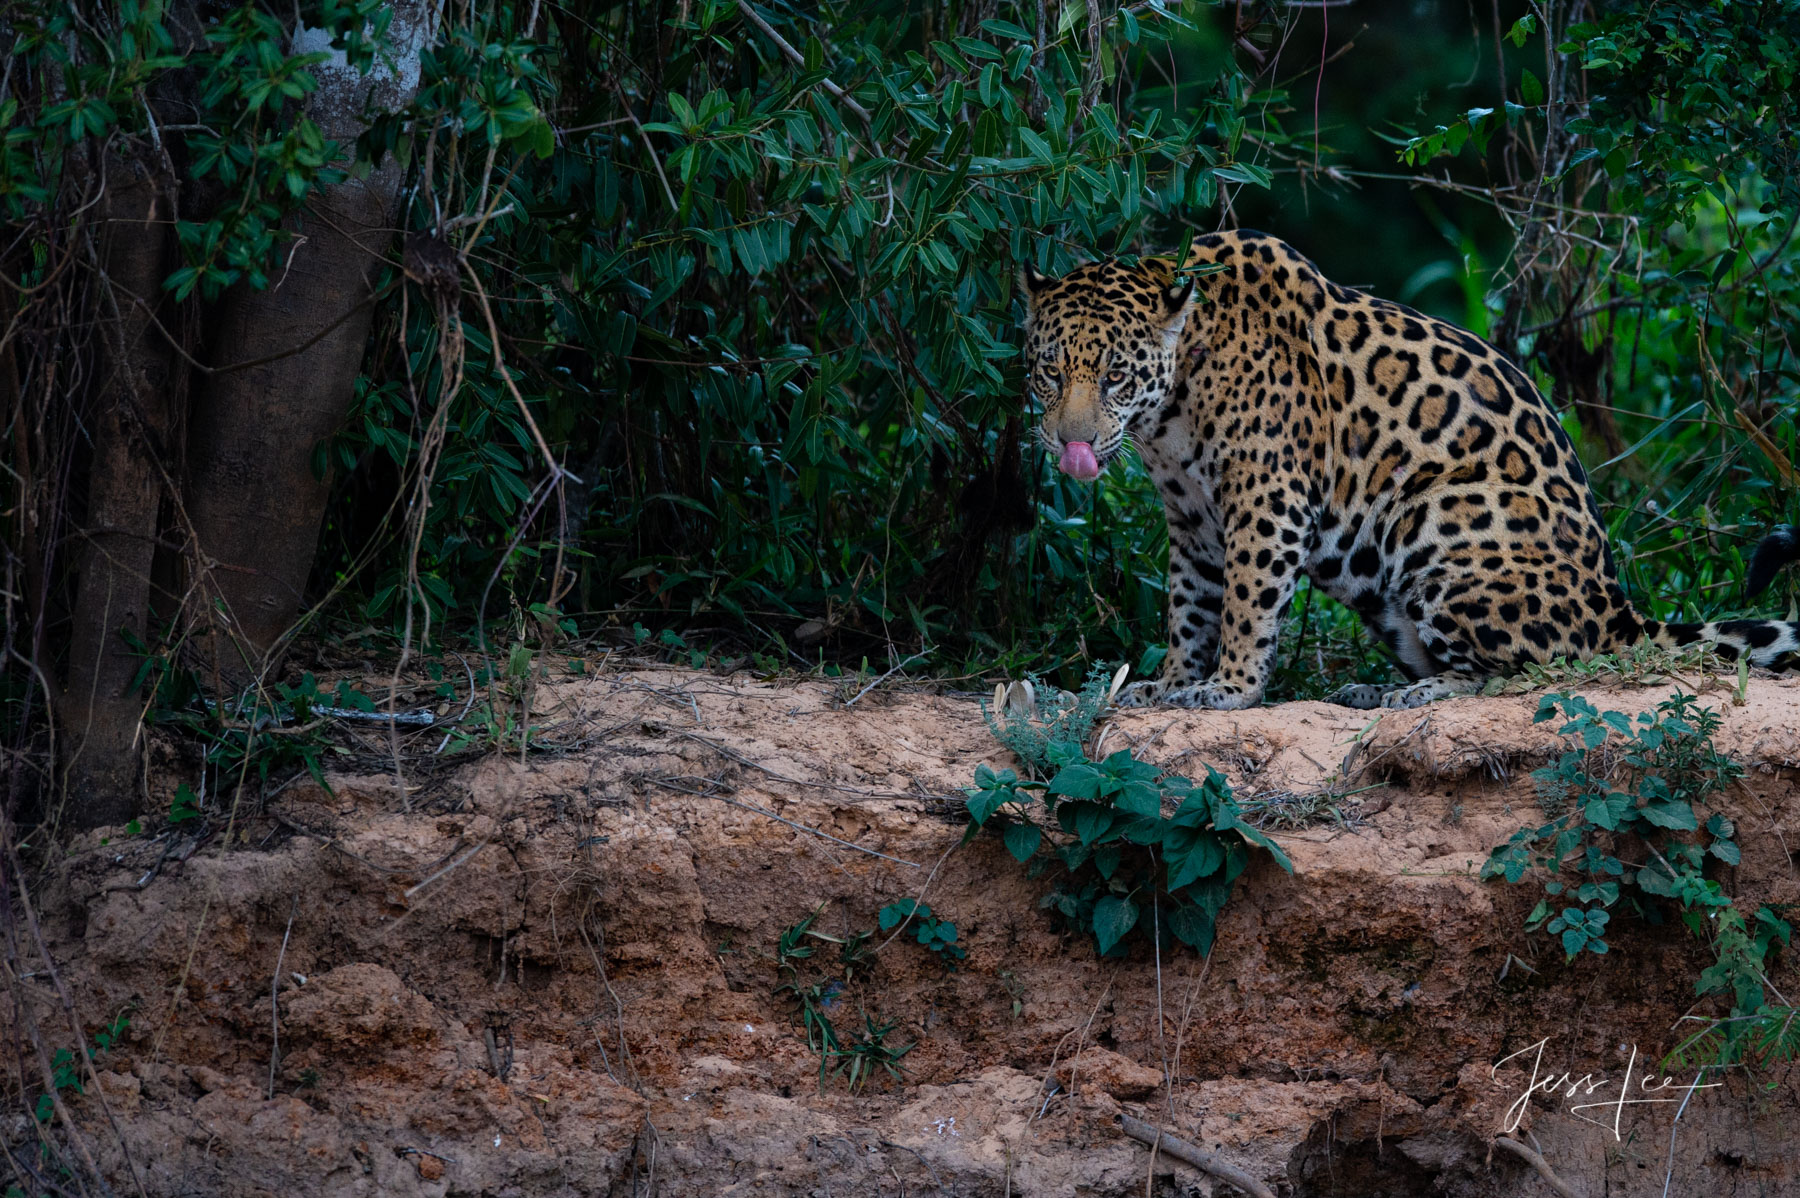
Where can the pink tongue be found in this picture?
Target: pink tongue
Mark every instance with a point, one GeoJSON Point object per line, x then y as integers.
{"type": "Point", "coordinates": [1078, 461]}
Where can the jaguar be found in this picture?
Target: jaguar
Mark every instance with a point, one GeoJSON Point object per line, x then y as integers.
{"type": "Point", "coordinates": [1297, 427]}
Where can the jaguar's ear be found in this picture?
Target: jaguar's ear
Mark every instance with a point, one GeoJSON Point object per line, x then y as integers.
{"type": "Point", "coordinates": [1175, 290]}
{"type": "Point", "coordinates": [1176, 297]}
{"type": "Point", "coordinates": [1175, 313]}
{"type": "Point", "coordinates": [1032, 284]}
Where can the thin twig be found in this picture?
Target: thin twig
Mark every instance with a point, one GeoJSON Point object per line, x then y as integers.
{"type": "Point", "coordinates": [1536, 1160]}
{"type": "Point", "coordinates": [669, 784]}
{"type": "Point", "coordinates": [798, 59]}
{"type": "Point", "coordinates": [275, 1000]}
{"type": "Point", "coordinates": [1669, 1172]}
{"type": "Point", "coordinates": [1199, 1158]}
{"type": "Point", "coordinates": [792, 781]}
{"type": "Point", "coordinates": [865, 690]}
{"type": "Point", "coordinates": [919, 898]}
{"type": "Point", "coordinates": [928, 1165]}
{"type": "Point", "coordinates": [440, 873]}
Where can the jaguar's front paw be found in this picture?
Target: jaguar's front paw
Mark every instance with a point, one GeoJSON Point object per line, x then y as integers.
{"type": "Point", "coordinates": [1142, 694]}
{"type": "Point", "coordinates": [1217, 696]}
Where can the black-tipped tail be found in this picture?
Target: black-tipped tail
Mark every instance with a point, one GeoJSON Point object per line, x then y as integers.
{"type": "Point", "coordinates": [1772, 553]}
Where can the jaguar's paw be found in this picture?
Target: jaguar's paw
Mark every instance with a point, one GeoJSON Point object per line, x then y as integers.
{"type": "Point", "coordinates": [1215, 696]}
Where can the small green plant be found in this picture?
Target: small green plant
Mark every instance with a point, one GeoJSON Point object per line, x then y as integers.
{"type": "Point", "coordinates": [1580, 929]}
{"type": "Point", "coordinates": [673, 644]}
{"type": "Point", "coordinates": [185, 806]}
{"type": "Point", "coordinates": [1119, 857]}
{"type": "Point", "coordinates": [868, 1051]}
{"type": "Point", "coordinates": [1029, 717]}
{"type": "Point", "coordinates": [65, 1066]}
{"type": "Point", "coordinates": [1645, 784]}
{"type": "Point", "coordinates": [65, 1074]}
{"type": "Point", "coordinates": [816, 992]}
{"type": "Point", "coordinates": [271, 731]}
{"type": "Point", "coordinates": [938, 935]}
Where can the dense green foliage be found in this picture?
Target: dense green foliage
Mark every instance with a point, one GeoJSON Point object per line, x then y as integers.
{"type": "Point", "coordinates": [750, 271]}
{"type": "Point", "coordinates": [775, 340]}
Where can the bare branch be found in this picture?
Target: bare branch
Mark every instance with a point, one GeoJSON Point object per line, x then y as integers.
{"type": "Point", "coordinates": [798, 59]}
{"type": "Point", "coordinates": [1161, 1141]}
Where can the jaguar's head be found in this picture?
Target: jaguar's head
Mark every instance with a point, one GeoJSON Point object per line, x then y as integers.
{"type": "Point", "coordinates": [1100, 352]}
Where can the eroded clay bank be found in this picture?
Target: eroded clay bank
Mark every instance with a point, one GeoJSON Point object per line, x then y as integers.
{"type": "Point", "coordinates": [557, 976]}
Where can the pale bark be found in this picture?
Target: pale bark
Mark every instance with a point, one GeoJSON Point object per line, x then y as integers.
{"type": "Point", "coordinates": [254, 500]}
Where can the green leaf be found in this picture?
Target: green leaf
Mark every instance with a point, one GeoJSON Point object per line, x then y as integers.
{"type": "Point", "coordinates": [1202, 857]}
{"type": "Point", "coordinates": [1106, 860]}
{"type": "Point", "coordinates": [1090, 822]}
{"type": "Point", "coordinates": [1245, 172]}
{"type": "Point", "coordinates": [983, 803]}
{"type": "Point", "coordinates": [1139, 798]}
{"type": "Point", "coordinates": [1039, 148]}
{"type": "Point", "coordinates": [1605, 813]}
{"type": "Point", "coordinates": [1113, 918]}
{"type": "Point", "coordinates": [1006, 29]}
{"type": "Point", "coordinates": [1256, 838]}
{"type": "Point", "coordinates": [1077, 782]}
{"type": "Point", "coordinates": [1530, 90]}
{"type": "Point", "coordinates": [897, 913]}
{"type": "Point", "coordinates": [1193, 926]}
{"type": "Point", "coordinates": [1675, 816]}
{"type": "Point", "coordinates": [1585, 154]}
{"type": "Point", "coordinates": [1022, 840]}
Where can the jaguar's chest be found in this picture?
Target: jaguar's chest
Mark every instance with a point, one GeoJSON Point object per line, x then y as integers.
{"type": "Point", "coordinates": [1187, 475]}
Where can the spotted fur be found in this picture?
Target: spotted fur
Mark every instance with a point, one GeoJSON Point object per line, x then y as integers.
{"type": "Point", "coordinates": [1295, 426]}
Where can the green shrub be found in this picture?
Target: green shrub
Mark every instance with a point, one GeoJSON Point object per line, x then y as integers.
{"type": "Point", "coordinates": [1643, 788]}
{"type": "Point", "coordinates": [1115, 856]}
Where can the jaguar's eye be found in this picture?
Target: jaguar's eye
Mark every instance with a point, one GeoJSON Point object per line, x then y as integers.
{"type": "Point", "coordinates": [1051, 371]}
{"type": "Point", "coordinates": [1114, 377]}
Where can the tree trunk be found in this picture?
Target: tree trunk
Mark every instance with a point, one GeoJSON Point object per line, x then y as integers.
{"type": "Point", "coordinates": [130, 448]}
{"type": "Point", "coordinates": [255, 503]}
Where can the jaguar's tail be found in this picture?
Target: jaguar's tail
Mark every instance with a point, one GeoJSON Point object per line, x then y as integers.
{"type": "Point", "coordinates": [1774, 644]}
{"type": "Point", "coordinates": [1772, 552]}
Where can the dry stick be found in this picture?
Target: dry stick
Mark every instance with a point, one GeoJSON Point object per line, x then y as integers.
{"type": "Point", "coordinates": [1536, 1160]}
{"type": "Point", "coordinates": [1080, 1044]}
{"type": "Point", "coordinates": [1162, 1039]}
{"type": "Point", "coordinates": [865, 690]}
{"type": "Point", "coordinates": [275, 999]}
{"type": "Point", "coordinates": [792, 781]}
{"type": "Point", "coordinates": [11, 865]}
{"type": "Point", "coordinates": [325, 331]}
{"type": "Point", "coordinates": [1199, 1158]}
{"type": "Point", "coordinates": [1669, 1172]}
{"type": "Point", "coordinates": [1181, 1028]}
{"type": "Point", "coordinates": [928, 1165]}
{"type": "Point", "coordinates": [537, 435]}
{"type": "Point", "coordinates": [440, 873]}
{"type": "Point", "coordinates": [798, 59]}
{"type": "Point", "coordinates": [667, 784]}
{"type": "Point", "coordinates": [650, 151]}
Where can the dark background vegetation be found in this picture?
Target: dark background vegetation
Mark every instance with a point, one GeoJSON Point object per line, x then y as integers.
{"type": "Point", "coordinates": [690, 323]}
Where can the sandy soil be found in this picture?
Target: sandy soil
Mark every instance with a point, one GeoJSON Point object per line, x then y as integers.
{"type": "Point", "coordinates": [557, 976]}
